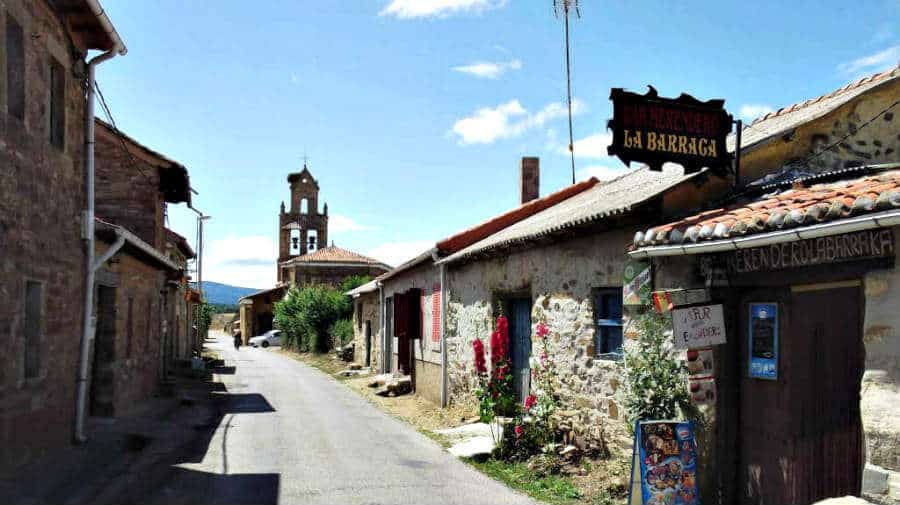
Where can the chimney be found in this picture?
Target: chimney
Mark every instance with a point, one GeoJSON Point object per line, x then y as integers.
{"type": "Point", "coordinates": [530, 178]}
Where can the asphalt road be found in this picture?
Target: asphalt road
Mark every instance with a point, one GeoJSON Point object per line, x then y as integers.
{"type": "Point", "coordinates": [290, 434]}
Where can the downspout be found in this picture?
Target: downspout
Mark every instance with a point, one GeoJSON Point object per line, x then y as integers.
{"type": "Point", "coordinates": [89, 324]}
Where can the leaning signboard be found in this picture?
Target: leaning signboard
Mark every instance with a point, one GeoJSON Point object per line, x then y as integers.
{"type": "Point", "coordinates": [654, 130]}
{"type": "Point", "coordinates": [698, 326]}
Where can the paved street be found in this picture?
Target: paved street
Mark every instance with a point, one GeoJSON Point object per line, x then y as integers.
{"type": "Point", "coordinates": [290, 434]}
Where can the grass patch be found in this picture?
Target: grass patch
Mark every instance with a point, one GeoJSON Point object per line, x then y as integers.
{"type": "Point", "coordinates": [554, 489]}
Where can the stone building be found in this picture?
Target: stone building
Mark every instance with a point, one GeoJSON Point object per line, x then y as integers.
{"type": "Point", "coordinates": [563, 266]}
{"type": "Point", "coordinates": [133, 306]}
{"type": "Point", "coordinates": [367, 325]}
{"type": "Point", "coordinates": [134, 186]}
{"type": "Point", "coordinates": [42, 196]}
{"type": "Point", "coordinates": [257, 311]}
{"type": "Point", "coordinates": [183, 298]}
{"type": "Point", "coordinates": [803, 262]}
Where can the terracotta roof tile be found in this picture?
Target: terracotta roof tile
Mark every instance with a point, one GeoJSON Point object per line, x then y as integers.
{"type": "Point", "coordinates": [334, 254]}
{"type": "Point", "coordinates": [793, 207]}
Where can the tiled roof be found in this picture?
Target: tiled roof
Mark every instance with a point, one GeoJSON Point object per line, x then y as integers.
{"type": "Point", "coordinates": [181, 243]}
{"type": "Point", "coordinates": [618, 196]}
{"type": "Point", "coordinates": [276, 291]}
{"type": "Point", "coordinates": [332, 254]}
{"type": "Point", "coordinates": [787, 118]}
{"type": "Point", "coordinates": [794, 207]}
{"type": "Point", "coordinates": [493, 225]}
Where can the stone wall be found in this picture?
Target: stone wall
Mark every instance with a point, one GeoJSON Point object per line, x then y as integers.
{"type": "Point", "coordinates": [367, 308]}
{"type": "Point", "coordinates": [560, 278]}
{"type": "Point", "coordinates": [137, 362]}
{"type": "Point", "coordinates": [41, 199]}
{"type": "Point", "coordinates": [881, 382]}
{"type": "Point", "coordinates": [128, 190]}
{"type": "Point", "coordinates": [302, 274]}
{"type": "Point", "coordinates": [879, 142]}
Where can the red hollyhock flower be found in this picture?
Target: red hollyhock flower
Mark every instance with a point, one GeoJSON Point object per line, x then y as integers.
{"type": "Point", "coordinates": [542, 330]}
{"type": "Point", "coordinates": [500, 340]}
{"type": "Point", "coordinates": [478, 347]}
{"type": "Point", "coordinates": [519, 431]}
{"type": "Point", "coordinates": [530, 401]}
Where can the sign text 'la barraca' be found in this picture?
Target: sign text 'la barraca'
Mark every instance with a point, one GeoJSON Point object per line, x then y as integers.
{"type": "Point", "coordinates": [654, 130]}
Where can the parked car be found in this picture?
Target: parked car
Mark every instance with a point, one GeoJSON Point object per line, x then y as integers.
{"type": "Point", "coordinates": [271, 337]}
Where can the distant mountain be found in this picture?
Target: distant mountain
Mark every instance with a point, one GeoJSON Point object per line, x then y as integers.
{"type": "Point", "coordinates": [225, 294]}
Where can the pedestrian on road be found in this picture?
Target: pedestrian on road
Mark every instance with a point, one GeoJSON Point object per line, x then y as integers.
{"type": "Point", "coordinates": [237, 340]}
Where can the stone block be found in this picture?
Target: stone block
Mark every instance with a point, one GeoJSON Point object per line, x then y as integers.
{"type": "Point", "coordinates": [875, 480]}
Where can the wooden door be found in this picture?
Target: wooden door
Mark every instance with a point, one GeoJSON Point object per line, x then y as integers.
{"type": "Point", "coordinates": [801, 433]}
{"type": "Point", "coordinates": [103, 372]}
{"type": "Point", "coordinates": [519, 310]}
{"type": "Point", "coordinates": [387, 357]}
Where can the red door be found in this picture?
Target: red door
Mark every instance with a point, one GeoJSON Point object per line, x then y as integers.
{"type": "Point", "coordinates": [801, 433]}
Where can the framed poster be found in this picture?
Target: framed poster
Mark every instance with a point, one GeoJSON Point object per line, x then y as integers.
{"type": "Point", "coordinates": [665, 460]}
{"type": "Point", "coordinates": [698, 326]}
{"type": "Point", "coordinates": [763, 341]}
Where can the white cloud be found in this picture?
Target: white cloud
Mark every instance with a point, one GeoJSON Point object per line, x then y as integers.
{"type": "Point", "coordinates": [408, 9]}
{"type": "Point", "coordinates": [489, 70]}
{"type": "Point", "coordinates": [602, 172]}
{"type": "Point", "coordinates": [507, 120]}
{"type": "Point", "coordinates": [872, 63]}
{"type": "Point", "coordinates": [593, 146]}
{"type": "Point", "coordinates": [750, 111]}
{"type": "Point", "coordinates": [241, 261]}
{"type": "Point", "coordinates": [396, 253]}
{"type": "Point", "coordinates": [338, 224]}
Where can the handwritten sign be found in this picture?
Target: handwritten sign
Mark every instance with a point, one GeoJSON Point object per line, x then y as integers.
{"type": "Point", "coordinates": [698, 326]}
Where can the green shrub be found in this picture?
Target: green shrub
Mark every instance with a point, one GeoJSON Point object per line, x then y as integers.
{"type": "Point", "coordinates": [655, 378]}
{"type": "Point", "coordinates": [306, 316]}
{"type": "Point", "coordinates": [353, 282]}
{"type": "Point", "coordinates": [342, 332]}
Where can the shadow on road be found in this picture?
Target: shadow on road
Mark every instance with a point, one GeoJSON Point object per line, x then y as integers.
{"type": "Point", "coordinates": [217, 489]}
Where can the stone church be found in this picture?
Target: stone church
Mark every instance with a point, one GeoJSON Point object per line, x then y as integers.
{"type": "Point", "coordinates": [304, 256]}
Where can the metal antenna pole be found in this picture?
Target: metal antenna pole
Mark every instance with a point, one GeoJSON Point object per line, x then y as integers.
{"type": "Point", "coordinates": [569, 88]}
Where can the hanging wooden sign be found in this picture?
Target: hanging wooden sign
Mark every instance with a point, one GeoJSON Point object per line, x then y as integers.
{"type": "Point", "coordinates": [654, 130]}
{"type": "Point", "coordinates": [698, 326]}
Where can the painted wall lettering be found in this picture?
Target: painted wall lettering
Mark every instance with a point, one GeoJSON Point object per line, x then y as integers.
{"type": "Point", "coordinates": [818, 251]}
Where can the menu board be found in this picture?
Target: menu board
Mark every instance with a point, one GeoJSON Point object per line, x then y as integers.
{"type": "Point", "coordinates": [667, 459]}
{"type": "Point", "coordinates": [698, 326]}
{"type": "Point", "coordinates": [763, 340]}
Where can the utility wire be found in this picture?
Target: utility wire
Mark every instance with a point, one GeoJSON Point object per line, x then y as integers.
{"type": "Point", "coordinates": [121, 136]}
{"type": "Point", "coordinates": [850, 134]}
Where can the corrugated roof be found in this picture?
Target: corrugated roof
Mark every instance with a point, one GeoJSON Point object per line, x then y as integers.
{"type": "Point", "coordinates": [333, 254]}
{"type": "Point", "coordinates": [787, 118]}
{"type": "Point", "coordinates": [618, 196]}
{"type": "Point", "coordinates": [181, 243]}
{"type": "Point", "coordinates": [795, 207]}
{"type": "Point", "coordinates": [276, 290]}
{"type": "Point", "coordinates": [365, 288]}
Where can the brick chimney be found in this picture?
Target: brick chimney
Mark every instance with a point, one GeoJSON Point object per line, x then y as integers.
{"type": "Point", "coordinates": [530, 178]}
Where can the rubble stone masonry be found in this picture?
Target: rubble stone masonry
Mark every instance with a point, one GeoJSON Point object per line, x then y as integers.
{"type": "Point", "coordinates": [41, 199]}
{"type": "Point", "coordinates": [560, 278]}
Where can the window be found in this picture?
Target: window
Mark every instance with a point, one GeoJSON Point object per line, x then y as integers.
{"type": "Point", "coordinates": [15, 69]}
{"type": "Point", "coordinates": [608, 322]}
{"type": "Point", "coordinates": [33, 316]}
{"type": "Point", "coordinates": [57, 104]}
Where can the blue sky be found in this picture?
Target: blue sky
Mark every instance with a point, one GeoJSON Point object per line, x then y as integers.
{"type": "Point", "coordinates": [414, 113]}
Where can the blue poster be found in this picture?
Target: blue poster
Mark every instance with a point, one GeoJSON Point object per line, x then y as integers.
{"type": "Point", "coordinates": [668, 463]}
{"type": "Point", "coordinates": [763, 340]}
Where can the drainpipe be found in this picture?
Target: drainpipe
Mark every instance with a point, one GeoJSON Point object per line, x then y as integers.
{"type": "Point", "coordinates": [89, 324]}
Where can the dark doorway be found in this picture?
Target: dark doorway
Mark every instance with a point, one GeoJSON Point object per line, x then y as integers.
{"type": "Point", "coordinates": [102, 369]}
{"type": "Point", "coordinates": [801, 432]}
{"type": "Point", "coordinates": [388, 354]}
{"type": "Point", "coordinates": [368, 343]}
{"type": "Point", "coordinates": [518, 312]}
{"type": "Point", "coordinates": [264, 323]}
